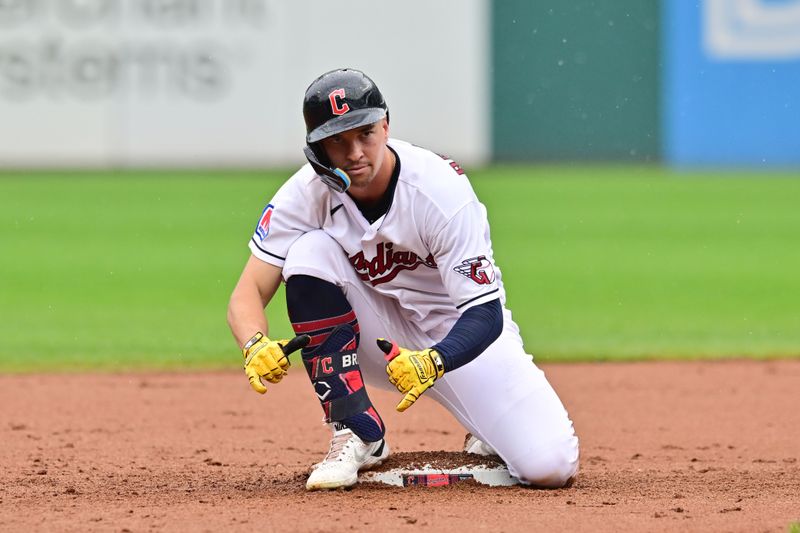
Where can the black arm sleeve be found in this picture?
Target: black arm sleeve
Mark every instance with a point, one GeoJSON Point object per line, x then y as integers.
{"type": "Point", "coordinates": [472, 333]}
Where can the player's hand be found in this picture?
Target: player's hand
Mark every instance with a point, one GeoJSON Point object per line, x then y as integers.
{"type": "Point", "coordinates": [268, 359]}
{"type": "Point", "coordinates": [412, 372]}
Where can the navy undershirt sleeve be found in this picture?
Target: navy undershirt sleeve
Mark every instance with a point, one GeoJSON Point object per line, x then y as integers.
{"type": "Point", "coordinates": [472, 333]}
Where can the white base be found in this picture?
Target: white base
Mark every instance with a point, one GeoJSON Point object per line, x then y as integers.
{"type": "Point", "coordinates": [434, 477]}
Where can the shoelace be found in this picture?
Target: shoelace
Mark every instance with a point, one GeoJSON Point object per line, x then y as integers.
{"type": "Point", "coordinates": [338, 444]}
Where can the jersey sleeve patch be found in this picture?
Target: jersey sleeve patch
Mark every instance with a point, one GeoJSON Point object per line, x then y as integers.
{"type": "Point", "coordinates": [455, 166]}
{"type": "Point", "coordinates": [262, 228]}
{"type": "Point", "coordinates": [478, 269]}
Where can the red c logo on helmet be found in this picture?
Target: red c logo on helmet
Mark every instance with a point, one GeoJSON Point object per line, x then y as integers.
{"type": "Point", "coordinates": [335, 104]}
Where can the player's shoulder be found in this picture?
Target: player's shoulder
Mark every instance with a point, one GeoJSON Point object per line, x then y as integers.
{"type": "Point", "coordinates": [437, 177]}
{"type": "Point", "coordinates": [307, 184]}
{"type": "Point", "coordinates": [305, 177]}
{"type": "Point", "coordinates": [417, 159]}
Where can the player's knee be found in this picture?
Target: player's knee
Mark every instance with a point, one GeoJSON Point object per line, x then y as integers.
{"type": "Point", "coordinates": [312, 244]}
{"type": "Point", "coordinates": [551, 468]}
{"type": "Point", "coordinates": [316, 254]}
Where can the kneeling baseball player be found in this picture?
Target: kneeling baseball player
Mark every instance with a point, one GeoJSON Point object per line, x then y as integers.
{"type": "Point", "coordinates": [386, 255]}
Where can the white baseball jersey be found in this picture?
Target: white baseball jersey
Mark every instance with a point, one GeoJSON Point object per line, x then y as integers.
{"type": "Point", "coordinates": [431, 251]}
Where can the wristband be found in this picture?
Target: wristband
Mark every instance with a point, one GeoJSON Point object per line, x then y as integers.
{"type": "Point", "coordinates": [437, 360]}
{"type": "Point", "coordinates": [249, 344]}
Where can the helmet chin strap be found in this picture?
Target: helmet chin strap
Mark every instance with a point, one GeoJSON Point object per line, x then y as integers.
{"type": "Point", "coordinates": [335, 178]}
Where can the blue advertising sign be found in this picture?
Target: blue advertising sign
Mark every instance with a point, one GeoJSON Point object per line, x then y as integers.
{"type": "Point", "coordinates": [731, 82]}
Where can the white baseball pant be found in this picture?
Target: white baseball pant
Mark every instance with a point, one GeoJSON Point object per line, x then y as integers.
{"type": "Point", "coordinates": [501, 397]}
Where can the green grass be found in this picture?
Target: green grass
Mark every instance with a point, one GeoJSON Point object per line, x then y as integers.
{"type": "Point", "coordinates": [610, 263]}
{"type": "Point", "coordinates": [133, 270]}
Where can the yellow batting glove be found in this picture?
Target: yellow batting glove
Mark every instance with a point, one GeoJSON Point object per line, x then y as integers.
{"type": "Point", "coordinates": [264, 358]}
{"type": "Point", "coordinates": [412, 372]}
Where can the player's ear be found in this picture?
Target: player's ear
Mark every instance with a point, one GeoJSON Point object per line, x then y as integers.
{"type": "Point", "coordinates": [385, 127]}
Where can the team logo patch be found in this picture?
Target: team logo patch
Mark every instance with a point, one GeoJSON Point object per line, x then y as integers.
{"type": "Point", "coordinates": [455, 166]}
{"type": "Point", "coordinates": [478, 269]}
{"type": "Point", "coordinates": [322, 389]}
{"type": "Point", "coordinates": [262, 229]}
{"type": "Point", "coordinates": [335, 97]}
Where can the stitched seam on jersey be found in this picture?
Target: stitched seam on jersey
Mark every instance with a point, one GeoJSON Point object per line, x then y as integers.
{"type": "Point", "coordinates": [266, 252]}
{"type": "Point", "coordinates": [477, 297]}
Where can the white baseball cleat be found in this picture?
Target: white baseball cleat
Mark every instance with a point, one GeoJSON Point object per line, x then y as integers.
{"type": "Point", "coordinates": [347, 456]}
{"type": "Point", "coordinates": [473, 444]}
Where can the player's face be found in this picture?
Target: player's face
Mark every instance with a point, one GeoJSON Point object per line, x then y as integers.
{"type": "Point", "coordinates": [360, 152]}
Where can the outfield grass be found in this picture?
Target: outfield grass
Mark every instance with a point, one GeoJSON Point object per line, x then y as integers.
{"type": "Point", "coordinates": [133, 270]}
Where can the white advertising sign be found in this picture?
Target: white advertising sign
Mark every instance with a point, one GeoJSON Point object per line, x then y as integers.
{"type": "Point", "coordinates": [220, 82]}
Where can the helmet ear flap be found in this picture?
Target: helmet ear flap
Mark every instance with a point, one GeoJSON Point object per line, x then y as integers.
{"type": "Point", "coordinates": [319, 151]}
{"type": "Point", "coordinates": [335, 178]}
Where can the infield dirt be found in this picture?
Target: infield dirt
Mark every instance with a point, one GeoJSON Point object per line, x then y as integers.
{"type": "Point", "coordinates": [698, 446]}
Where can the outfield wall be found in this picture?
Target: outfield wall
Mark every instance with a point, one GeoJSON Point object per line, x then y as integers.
{"type": "Point", "coordinates": [220, 82]}
{"type": "Point", "coordinates": [731, 91]}
{"type": "Point", "coordinates": [575, 80]}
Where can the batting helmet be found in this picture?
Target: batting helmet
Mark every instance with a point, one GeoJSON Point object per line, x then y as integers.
{"type": "Point", "coordinates": [338, 101]}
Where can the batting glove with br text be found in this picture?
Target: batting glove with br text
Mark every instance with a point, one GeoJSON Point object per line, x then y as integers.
{"type": "Point", "coordinates": [264, 358]}
{"type": "Point", "coordinates": [411, 371]}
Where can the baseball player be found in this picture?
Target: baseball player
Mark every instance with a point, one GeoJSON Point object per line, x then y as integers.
{"type": "Point", "coordinates": [386, 256]}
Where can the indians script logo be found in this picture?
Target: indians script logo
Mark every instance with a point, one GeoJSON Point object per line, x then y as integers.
{"type": "Point", "coordinates": [478, 269]}
{"type": "Point", "coordinates": [387, 263]}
